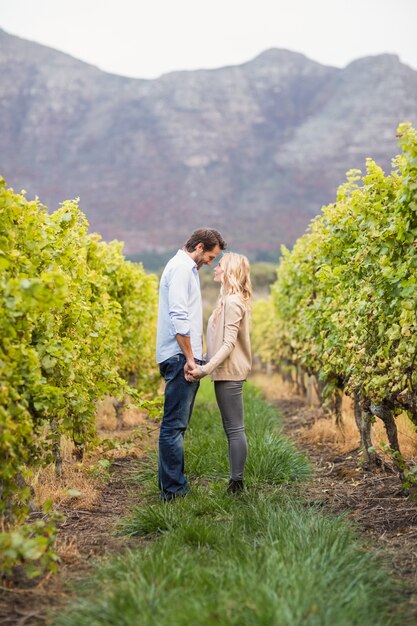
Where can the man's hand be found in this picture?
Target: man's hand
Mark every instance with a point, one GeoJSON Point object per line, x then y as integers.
{"type": "Point", "coordinates": [190, 364]}
{"type": "Point", "coordinates": [185, 345]}
{"type": "Point", "coordinates": [188, 367]}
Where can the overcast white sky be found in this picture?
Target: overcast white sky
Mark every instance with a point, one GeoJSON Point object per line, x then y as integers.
{"type": "Point", "coordinates": [146, 38]}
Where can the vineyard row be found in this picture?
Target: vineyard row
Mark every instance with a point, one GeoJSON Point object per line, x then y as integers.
{"type": "Point", "coordinates": [344, 304]}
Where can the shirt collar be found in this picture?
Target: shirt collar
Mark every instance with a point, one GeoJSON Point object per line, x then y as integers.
{"type": "Point", "coordinates": [187, 258]}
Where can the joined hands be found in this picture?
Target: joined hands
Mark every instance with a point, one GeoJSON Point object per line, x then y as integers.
{"type": "Point", "coordinates": [193, 372]}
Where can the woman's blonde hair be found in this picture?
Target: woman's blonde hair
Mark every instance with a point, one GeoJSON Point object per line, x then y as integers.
{"type": "Point", "coordinates": [236, 276]}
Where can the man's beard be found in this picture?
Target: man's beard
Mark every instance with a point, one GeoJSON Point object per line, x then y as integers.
{"type": "Point", "coordinates": [199, 260]}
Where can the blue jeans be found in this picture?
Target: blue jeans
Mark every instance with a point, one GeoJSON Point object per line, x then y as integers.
{"type": "Point", "coordinates": [178, 406]}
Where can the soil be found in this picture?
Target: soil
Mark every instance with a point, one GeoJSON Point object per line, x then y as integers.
{"type": "Point", "coordinates": [374, 501]}
{"type": "Point", "coordinates": [85, 535]}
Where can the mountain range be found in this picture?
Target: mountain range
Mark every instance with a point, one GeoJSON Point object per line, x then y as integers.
{"type": "Point", "coordinates": [254, 150]}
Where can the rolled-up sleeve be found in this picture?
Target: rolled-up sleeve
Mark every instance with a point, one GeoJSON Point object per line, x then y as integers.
{"type": "Point", "coordinates": [178, 300]}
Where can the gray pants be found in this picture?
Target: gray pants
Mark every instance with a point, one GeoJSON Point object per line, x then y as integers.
{"type": "Point", "coordinates": [230, 402]}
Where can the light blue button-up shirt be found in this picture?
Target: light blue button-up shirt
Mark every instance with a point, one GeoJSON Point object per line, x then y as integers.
{"type": "Point", "coordinates": [180, 308]}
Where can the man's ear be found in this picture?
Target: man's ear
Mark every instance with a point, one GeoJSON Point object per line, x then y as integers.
{"type": "Point", "coordinates": [199, 247]}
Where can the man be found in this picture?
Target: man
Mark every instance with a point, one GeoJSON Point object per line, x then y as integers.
{"type": "Point", "coordinates": [180, 344]}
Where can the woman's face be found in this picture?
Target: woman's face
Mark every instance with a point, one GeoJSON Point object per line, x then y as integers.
{"type": "Point", "coordinates": [218, 273]}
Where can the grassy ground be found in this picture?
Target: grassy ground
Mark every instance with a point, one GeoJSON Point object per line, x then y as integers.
{"type": "Point", "coordinates": [262, 558]}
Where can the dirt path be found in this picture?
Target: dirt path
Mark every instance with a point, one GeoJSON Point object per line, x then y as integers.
{"type": "Point", "coordinates": [373, 501]}
{"type": "Point", "coordinates": [85, 535]}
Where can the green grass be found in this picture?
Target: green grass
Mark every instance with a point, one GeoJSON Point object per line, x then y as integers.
{"type": "Point", "coordinates": [264, 558]}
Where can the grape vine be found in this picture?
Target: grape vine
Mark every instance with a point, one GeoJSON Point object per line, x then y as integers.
{"type": "Point", "coordinates": [77, 322]}
{"type": "Point", "coordinates": [345, 298]}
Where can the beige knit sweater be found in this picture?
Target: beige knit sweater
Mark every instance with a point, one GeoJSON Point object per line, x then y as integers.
{"type": "Point", "coordinates": [228, 341]}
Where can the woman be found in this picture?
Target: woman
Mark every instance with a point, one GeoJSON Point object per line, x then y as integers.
{"type": "Point", "coordinates": [229, 356]}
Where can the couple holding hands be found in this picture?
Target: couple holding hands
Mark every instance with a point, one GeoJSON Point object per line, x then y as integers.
{"type": "Point", "coordinates": [180, 353]}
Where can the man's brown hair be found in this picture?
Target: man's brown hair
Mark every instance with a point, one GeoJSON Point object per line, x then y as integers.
{"type": "Point", "coordinates": [209, 237]}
